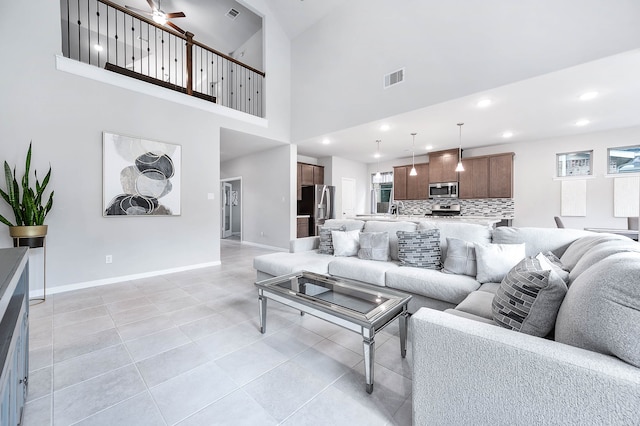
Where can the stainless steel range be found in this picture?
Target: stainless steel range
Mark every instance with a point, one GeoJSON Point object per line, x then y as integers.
{"type": "Point", "coordinates": [445, 209]}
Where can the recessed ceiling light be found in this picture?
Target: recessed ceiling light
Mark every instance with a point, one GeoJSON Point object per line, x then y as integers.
{"type": "Point", "coordinates": [582, 122]}
{"type": "Point", "coordinates": [326, 141]}
{"type": "Point", "coordinates": [376, 155]}
{"type": "Point", "coordinates": [588, 96]}
{"type": "Point", "coordinates": [507, 134]}
{"type": "Point", "coordinates": [384, 127]}
{"type": "Point", "coordinates": [429, 147]}
{"type": "Point", "coordinates": [484, 103]}
{"type": "Point", "coordinates": [97, 47]}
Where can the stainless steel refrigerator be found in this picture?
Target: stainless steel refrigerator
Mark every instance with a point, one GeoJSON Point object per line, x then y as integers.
{"type": "Point", "coordinates": [318, 201]}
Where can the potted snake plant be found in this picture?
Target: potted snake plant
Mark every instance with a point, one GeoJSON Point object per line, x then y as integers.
{"type": "Point", "coordinates": [29, 206]}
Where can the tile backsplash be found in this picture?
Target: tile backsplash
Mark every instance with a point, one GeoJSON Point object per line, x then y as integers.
{"type": "Point", "coordinates": [485, 207]}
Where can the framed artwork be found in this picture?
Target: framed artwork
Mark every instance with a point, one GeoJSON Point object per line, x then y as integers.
{"type": "Point", "coordinates": [623, 160]}
{"type": "Point", "coordinates": [140, 177]}
{"type": "Point", "coordinates": [574, 163]}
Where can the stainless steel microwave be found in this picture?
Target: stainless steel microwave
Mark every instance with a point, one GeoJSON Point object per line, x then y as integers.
{"type": "Point", "coordinates": [443, 190]}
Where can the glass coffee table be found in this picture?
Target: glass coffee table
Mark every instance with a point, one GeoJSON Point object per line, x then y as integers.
{"type": "Point", "coordinates": [356, 306]}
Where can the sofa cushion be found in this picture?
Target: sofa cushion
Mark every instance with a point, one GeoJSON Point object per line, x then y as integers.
{"type": "Point", "coordinates": [374, 246]}
{"type": "Point", "coordinates": [431, 283]}
{"type": "Point", "coordinates": [601, 311]}
{"type": "Point", "coordinates": [325, 246]}
{"type": "Point", "coordinates": [557, 266]}
{"type": "Point", "coordinates": [368, 271]}
{"type": "Point", "coordinates": [345, 243]}
{"type": "Point", "coordinates": [392, 228]}
{"type": "Point", "coordinates": [473, 317]}
{"type": "Point", "coordinates": [600, 251]}
{"type": "Point", "coordinates": [277, 264]}
{"type": "Point", "coordinates": [529, 297]}
{"type": "Point", "coordinates": [471, 232]}
{"type": "Point", "coordinates": [495, 260]}
{"type": "Point", "coordinates": [538, 239]}
{"type": "Point", "coordinates": [461, 257]}
{"type": "Point", "coordinates": [349, 224]}
{"type": "Point", "coordinates": [579, 247]}
{"type": "Point", "coordinates": [420, 249]}
{"type": "Point", "coordinates": [478, 303]}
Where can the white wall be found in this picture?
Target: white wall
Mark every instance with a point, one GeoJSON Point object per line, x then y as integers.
{"type": "Point", "coordinates": [537, 194]}
{"type": "Point", "coordinates": [251, 53]}
{"type": "Point", "coordinates": [65, 116]}
{"type": "Point", "coordinates": [449, 49]}
{"type": "Point", "coordinates": [269, 195]}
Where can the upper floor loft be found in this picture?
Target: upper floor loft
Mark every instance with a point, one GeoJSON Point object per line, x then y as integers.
{"type": "Point", "coordinates": [122, 39]}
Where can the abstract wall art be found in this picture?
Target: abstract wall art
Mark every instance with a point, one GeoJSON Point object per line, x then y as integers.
{"type": "Point", "coordinates": [140, 177]}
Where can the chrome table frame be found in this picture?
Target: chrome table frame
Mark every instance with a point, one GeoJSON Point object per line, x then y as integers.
{"type": "Point", "coordinates": [367, 325]}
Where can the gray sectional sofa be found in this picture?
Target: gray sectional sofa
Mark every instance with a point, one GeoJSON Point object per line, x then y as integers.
{"type": "Point", "coordinates": [466, 368]}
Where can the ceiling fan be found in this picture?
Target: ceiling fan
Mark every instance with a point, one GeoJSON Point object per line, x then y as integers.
{"type": "Point", "coordinates": [160, 16]}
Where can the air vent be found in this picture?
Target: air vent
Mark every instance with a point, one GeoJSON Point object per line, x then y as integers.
{"type": "Point", "coordinates": [232, 13]}
{"type": "Point", "coordinates": [394, 78]}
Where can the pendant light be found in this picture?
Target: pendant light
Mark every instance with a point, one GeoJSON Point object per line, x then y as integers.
{"type": "Point", "coordinates": [377, 177]}
{"type": "Point", "coordinates": [413, 155]}
{"type": "Point", "coordinates": [460, 167]}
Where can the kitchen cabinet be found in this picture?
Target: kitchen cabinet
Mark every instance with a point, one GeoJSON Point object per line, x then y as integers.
{"type": "Point", "coordinates": [318, 175]}
{"type": "Point", "coordinates": [442, 166]}
{"type": "Point", "coordinates": [306, 174]}
{"type": "Point", "coordinates": [302, 227]}
{"type": "Point", "coordinates": [501, 175]}
{"type": "Point", "coordinates": [299, 182]}
{"type": "Point", "coordinates": [474, 181]}
{"type": "Point", "coordinates": [406, 187]}
{"type": "Point", "coordinates": [489, 176]}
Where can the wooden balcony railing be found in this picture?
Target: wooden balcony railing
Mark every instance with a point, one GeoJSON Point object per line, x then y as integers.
{"type": "Point", "coordinates": [104, 34]}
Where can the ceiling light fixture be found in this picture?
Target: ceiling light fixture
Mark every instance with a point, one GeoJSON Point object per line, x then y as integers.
{"type": "Point", "coordinates": [429, 147]}
{"type": "Point", "coordinates": [588, 96]}
{"type": "Point", "coordinates": [384, 127]}
{"type": "Point", "coordinates": [582, 122]}
{"type": "Point", "coordinates": [159, 17]}
{"type": "Point", "coordinates": [507, 134]}
{"type": "Point", "coordinates": [484, 103]}
{"type": "Point", "coordinates": [98, 47]}
{"type": "Point", "coordinates": [460, 167]}
{"type": "Point", "coordinates": [378, 157]}
{"type": "Point", "coordinates": [413, 155]}
{"type": "Point", "coordinates": [326, 141]}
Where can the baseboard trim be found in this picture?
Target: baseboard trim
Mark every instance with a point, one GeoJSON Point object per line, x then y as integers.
{"type": "Point", "coordinates": [113, 280]}
{"type": "Point", "coordinates": [248, 243]}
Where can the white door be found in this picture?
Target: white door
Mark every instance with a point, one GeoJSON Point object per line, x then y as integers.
{"type": "Point", "coordinates": [227, 210]}
{"type": "Point", "coordinates": [348, 197]}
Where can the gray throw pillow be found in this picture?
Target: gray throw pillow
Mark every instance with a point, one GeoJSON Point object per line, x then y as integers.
{"type": "Point", "coordinates": [529, 297]}
{"type": "Point", "coordinates": [601, 311]}
{"type": "Point", "coordinates": [374, 246]}
{"type": "Point", "coordinates": [420, 249]}
{"type": "Point", "coordinates": [461, 258]}
{"type": "Point", "coordinates": [495, 260]}
{"type": "Point", "coordinates": [557, 266]}
{"type": "Point", "coordinates": [326, 242]}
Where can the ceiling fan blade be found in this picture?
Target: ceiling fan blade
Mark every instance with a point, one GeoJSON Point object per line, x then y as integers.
{"type": "Point", "coordinates": [175, 15]}
{"type": "Point", "coordinates": [152, 5]}
{"type": "Point", "coordinates": [175, 27]}
{"type": "Point", "coordinates": [135, 9]}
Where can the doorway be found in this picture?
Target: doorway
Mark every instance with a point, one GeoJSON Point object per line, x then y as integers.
{"type": "Point", "coordinates": [348, 197]}
{"type": "Point", "coordinates": [231, 208]}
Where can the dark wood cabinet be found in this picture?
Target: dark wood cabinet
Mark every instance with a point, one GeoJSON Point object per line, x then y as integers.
{"type": "Point", "coordinates": [501, 175]}
{"type": "Point", "coordinates": [489, 176]}
{"type": "Point", "coordinates": [442, 166]}
{"type": "Point", "coordinates": [299, 181]}
{"type": "Point", "coordinates": [306, 174]}
{"type": "Point", "coordinates": [406, 187]}
{"type": "Point", "coordinates": [302, 227]}
{"type": "Point", "coordinates": [318, 175]}
{"type": "Point", "coordinates": [474, 181]}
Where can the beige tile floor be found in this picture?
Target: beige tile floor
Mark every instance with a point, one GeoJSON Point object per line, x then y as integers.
{"type": "Point", "coordinates": [185, 349]}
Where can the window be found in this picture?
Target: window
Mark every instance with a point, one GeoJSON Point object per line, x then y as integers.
{"type": "Point", "coordinates": [574, 163]}
{"type": "Point", "coordinates": [623, 160]}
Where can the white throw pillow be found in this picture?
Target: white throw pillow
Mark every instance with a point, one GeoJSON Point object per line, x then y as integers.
{"type": "Point", "coordinates": [494, 261]}
{"type": "Point", "coordinates": [346, 243]}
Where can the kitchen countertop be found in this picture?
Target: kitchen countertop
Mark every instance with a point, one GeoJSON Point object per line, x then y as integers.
{"type": "Point", "coordinates": [415, 218]}
{"type": "Point", "coordinates": [303, 216]}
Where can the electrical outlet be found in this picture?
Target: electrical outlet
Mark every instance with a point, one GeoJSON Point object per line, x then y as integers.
{"type": "Point", "coordinates": [108, 259]}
